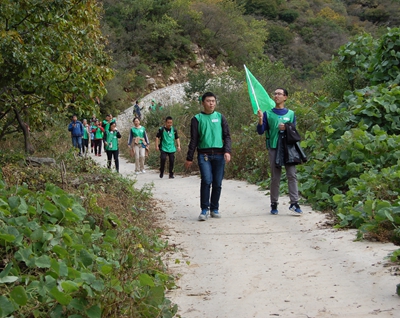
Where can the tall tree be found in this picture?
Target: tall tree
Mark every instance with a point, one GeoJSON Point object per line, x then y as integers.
{"type": "Point", "coordinates": [52, 62]}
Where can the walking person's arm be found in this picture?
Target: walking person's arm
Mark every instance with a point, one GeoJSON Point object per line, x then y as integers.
{"type": "Point", "coordinates": [178, 142]}
{"type": "Point", "coordinates": [194, 139]}
{"type": "Point", "coordinates": [226, 136]}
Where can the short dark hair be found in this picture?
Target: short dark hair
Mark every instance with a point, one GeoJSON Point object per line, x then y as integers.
{"type": "Point", "coordinates": [135, 119]}
{"type": "Point", "coordinates": [168, 118]}
{"type": "Point", "coordinates": [208, 94]}
{"type": "Point", "coordinates": [112, 123]}
{"type": "Point", "coordinates": [284, 91]}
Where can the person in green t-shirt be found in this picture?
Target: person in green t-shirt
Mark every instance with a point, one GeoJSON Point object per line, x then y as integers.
{"type": "Point", "coordinates": [165, 143]}
{"type": "Point", "coordinates": [111, 145]}
{"type": "Point", "coordinates": [85, 137]}
{"type": "Point", "coordinates": [98, 138]}
{"type": "Point", "coordinates": [209, 133]}
{"type": "Point", "coordinates": [272, 122]}
{"type": "Point", "coordinates": [139, 141]}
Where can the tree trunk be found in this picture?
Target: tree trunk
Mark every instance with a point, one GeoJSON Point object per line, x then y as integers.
{"type": "Point", "coordinates": [25, 129]}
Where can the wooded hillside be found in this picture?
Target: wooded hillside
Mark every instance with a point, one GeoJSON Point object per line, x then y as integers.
{"type": "Point", "coordinates": [158, 37]}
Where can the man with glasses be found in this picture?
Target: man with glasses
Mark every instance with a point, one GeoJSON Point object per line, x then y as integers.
{"type": "Point", "coordinates": [272, 122]}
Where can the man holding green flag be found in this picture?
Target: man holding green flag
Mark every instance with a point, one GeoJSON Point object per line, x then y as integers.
{"type": "Point", "coordinates": [272, 116]}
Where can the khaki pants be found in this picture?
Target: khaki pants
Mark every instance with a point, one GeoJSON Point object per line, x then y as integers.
{"type": "Point", "coordinates": [276, 179]}
{"type": "Point", "coordinates": [140, 153]}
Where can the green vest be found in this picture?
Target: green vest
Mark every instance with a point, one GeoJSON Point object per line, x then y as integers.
{"type": "Point", "coordinates": [273, 122]}
{"type": "Point", "coordinates": [168, 140]}
{"type": "Point", "coordinates": [112, 140]}
{"type": "Point", "coordinates": [85, 133]}
{"type": "Point", "coordinates": [210, 130]}
{"type": "Point", "coordinates": [139, 132]}
{"type": "Point", "coordinates": [98, 134]}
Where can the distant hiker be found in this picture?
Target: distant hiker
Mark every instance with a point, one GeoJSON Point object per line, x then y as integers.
{"type": "Point", "coordinates": [165, 143]}
{"type": "Point", "coordinates": [106, 123]}
{"type": "Point", "coordinates": [98, 138]}
{"type": "Point", "coordinates": [160, 106]}
{"type": "Point", "coordinates": [85, 138]}
{"type": "Point", "coordinates": [209, 133]}
{"type": "Point", "coordinates": [137, 110]}
{"type": "Point", "coordinates": [140, 142]}
{"type": "Point", "coordinates": [111, 145]}
{"type": "Point", "coordinates": [76, 129]}
{"type": "Point", "coordinates": [272, 122]}
{"type": "Point", "coordinates": [92, 126]}
{"type": "Point", "coordinates": [153, 105]}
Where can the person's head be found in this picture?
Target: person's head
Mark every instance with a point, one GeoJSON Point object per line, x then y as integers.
{"type": "Point", "coordinates": [136, 121]}
{"type": "Point", "coordinates": [137, 102]}
{"type": "Point", "coordinates": [84, 122]}
{"type": "Point", "coordinates": [74, 117]}
{"type": "Point", "coordinates": [209, 101]}
{"type": "Point", "coordinates": [168, 122]}
{"type": "Point", "coordinates": [97, 123]}
{"type": "Point", "coordinates": [280, 95]}
{"type": "Point", "coordinates": [113, 126]}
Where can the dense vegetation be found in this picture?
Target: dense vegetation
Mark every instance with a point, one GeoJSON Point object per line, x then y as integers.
{"type": "Point", "coordinates": [154, 37]}
{"type": "Point", "coordinates": [78, 241]}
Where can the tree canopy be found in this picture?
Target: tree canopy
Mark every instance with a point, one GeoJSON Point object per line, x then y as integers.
{"type": "Point", "coordinates": [52, 60]}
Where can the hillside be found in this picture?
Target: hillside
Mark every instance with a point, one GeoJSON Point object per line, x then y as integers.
{"type": "Point", "coordinates": [155, 43]}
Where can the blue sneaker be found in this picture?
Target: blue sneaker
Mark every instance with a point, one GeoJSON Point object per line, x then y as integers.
{"type": "Point", "coordinates": [274, 208]}
{"type": "Point", "coordinates": [295, 207]}
{"type": "Point", "coordinates": [215, 214]}
{"type": "Point", "coordinates": [203, 215]}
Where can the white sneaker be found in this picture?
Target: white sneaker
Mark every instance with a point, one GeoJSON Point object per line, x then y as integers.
{"type": "Point", "coordinates": [143, 171]}
{"type": "Point", "coordinates": [136, 172]}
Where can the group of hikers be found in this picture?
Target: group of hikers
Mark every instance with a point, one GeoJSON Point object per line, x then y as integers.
{"type": "Point", "coordinates": [98, 134]}
{"type": "Point", "coordinates": [210, 137]}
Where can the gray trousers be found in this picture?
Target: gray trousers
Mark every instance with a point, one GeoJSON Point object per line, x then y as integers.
{"type": "Point", "coordinates": [276, 179]}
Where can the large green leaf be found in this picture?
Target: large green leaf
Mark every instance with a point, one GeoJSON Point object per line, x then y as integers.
{"type": "Point", "coordinates": [6, 306]}
{"type": "Point", "coordinates": [62, 298]}
{"type": "Point", "coordinates": [94, 312]}
{"type": "Point", "coordinates": [18, 294]}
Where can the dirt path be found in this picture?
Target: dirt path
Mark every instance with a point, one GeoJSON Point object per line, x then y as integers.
{"type": "Point", "coordinates": [253, 264]}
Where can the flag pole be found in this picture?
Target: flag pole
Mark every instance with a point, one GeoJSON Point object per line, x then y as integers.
{"type": "Point", "coordinates": [251, 85]}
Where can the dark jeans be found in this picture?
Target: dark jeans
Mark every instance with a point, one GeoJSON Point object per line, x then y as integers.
{"type": "Point", "coordinates": [97, 146]}
{"type": "Point", "coordinates": [77, 142]}
{"type": "Point", "coordinates": [163, 160]}
{"type": "Point", "coordinates": [212, 172]}
{"type": "Point", "coordinates": [85, 145]}
{"type": "Point", "coordinates": [110, 154]}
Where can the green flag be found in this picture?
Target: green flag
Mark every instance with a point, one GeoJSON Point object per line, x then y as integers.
{"type": "Point", "coordinates": [259, 98]}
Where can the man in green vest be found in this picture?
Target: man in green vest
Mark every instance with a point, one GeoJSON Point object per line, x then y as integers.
{"type": "Point", "coordinates": [273, 122]}
{"type": "Point", "coordinates": [165, 143]}
{"type": "Point", "coordinates": [209, 133]}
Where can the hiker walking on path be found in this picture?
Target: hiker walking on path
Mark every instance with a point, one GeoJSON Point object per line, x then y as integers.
{"type": "Point", "coordinates": [165, 143]}
{"type": "Point", "coordinates": [272, 122]}
{"type": "Point", "coordinates": [76, 129]}
{"type": "Point", "coordinates": [209, 133]}
{"type": "Point", "coordinates": [140, 142]}
{"type": "Point", "coordinates": [98, 138]}
{"type": "Point", "coordinates": [111, 145]}
{"type": "Point", "coordinates": [137, 110]}
{"type": "Point", "coordinates": [85, 138]}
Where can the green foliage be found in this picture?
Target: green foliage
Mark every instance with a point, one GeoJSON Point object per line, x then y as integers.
{"type": "Point", "coordinates": [52, 61]}
{"type": "Point", "coordinates": [64, 255]}
{"type": "Point", "coordinates": [354, 150]}
{"type": "Point", "coordinates": [289, 15]}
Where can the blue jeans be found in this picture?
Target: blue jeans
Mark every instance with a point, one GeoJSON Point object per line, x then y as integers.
{"type": "Point", "coordinates": [77, 142]}
{"type": "Point", "coordinates": [212, 169]}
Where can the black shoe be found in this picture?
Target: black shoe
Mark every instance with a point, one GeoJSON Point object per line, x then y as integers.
{"type": "Point", "coordinates": [161, 174]}
{"type": "Point", "coordinates": [171, 176]}
{"type": "Point", "coordinates": [274, 208]}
